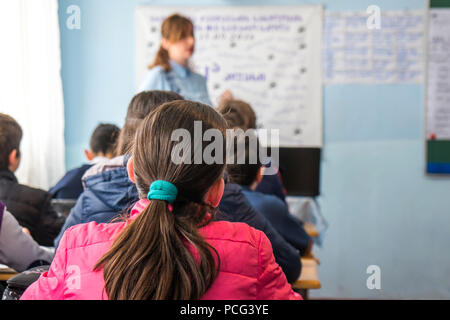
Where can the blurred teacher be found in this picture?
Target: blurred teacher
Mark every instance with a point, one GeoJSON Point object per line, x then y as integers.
{"type": "Point", "coordinates": [170, 69]}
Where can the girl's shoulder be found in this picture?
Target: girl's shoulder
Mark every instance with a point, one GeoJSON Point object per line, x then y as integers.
{"type": "Point", "coordinates": [155, 73]}
{"type": "Point", "coordinates": [154, 79]}
{"type": "Point", "coordinates": [235, 232]}
{"type": "Point", "coordinates": [92, 233]}
{"type": "Point", "coordinates": [156, 70]}
{"type": "Point", "coordinates": [243, 250]}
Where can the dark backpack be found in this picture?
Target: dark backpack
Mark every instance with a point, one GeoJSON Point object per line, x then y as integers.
{"type": "Point", "coordinates": [19, 283]}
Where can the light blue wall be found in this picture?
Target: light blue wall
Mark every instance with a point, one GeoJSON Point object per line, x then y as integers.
{"type": "Point", "coordinates": [380, 206]}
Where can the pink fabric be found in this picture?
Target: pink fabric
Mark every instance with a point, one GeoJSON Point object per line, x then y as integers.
{"type": "Point", "coordinates": [248, 269]}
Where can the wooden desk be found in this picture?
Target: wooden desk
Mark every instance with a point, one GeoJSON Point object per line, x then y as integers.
{"type": "Point", "coordinates": [309, 278]}
{"type": "Point", "coordinates": [6, 273]}
{"type": "Point", "coordinates": [311, 230]}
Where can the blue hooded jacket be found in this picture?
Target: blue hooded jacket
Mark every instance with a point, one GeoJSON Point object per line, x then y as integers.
{"type": "Point", "coordinates": [109, 192]}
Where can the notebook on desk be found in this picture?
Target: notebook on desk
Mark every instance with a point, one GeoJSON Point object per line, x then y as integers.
{"type": "Point", "coordinates": [6, 269]}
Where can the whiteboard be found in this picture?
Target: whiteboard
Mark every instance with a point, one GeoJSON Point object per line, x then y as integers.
{"type": "Point", "coordinates": [268, 56]}
{"type": "Point", "coordinates": [394, 53]}
{"type": "Point", "coordinates": [438, 84]}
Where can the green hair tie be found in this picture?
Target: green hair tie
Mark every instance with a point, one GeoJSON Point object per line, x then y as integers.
{"type": "Point", "coordinates": [162, 190]}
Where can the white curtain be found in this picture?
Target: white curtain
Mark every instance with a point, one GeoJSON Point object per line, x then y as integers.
{"type": "Point", "coordinates": [31, 87]}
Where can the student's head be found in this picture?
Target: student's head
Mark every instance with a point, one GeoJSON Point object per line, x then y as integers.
{"type": "Point", "coordinates": [246, 169]}
{"type": "Point", "coordinates": [238, 114]}
{"type": "Point", "coordinates": [10, 137]}
{"type": "Point", "coordinates": [177, 41]}
{"type": "Point", "coordinates": [103, 141]}
{"type": "Point", "coordinates": [150, 258]}
{"type": "Point", "coordinates": [140, 106]}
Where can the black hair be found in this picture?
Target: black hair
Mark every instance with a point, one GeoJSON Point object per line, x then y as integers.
{"type": "Point", "coordinates": [244, 173]}
{"type": "Point", "coordinates": [104, 138]}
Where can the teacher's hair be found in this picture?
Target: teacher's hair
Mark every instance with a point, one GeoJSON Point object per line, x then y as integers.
{"type": "Point", "coordinates": [161, 255]}
{"type": "Point", "coordinates": [174, 28]}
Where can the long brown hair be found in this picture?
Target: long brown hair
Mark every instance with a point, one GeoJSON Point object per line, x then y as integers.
{"type": "Point", "coordinates": [174, 28]}
{"type": "Point", "coordinates": [150, 259]}
{"type": "Point", "coordinates": [140, 106]}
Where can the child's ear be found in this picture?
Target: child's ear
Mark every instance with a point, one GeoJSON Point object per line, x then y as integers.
{"type": "Point", "coordinates": [14, 160]}
{"type": "Point", "coordinates": [214, 194]}
{"type": "Point", "coordinates": [260, 174]}
{"type": "Point", "coordinates": [130, 170]}
{"type": "Point", "coordinates": [89, 154]}
{"type": "Point", "coordinates": [12, 157]}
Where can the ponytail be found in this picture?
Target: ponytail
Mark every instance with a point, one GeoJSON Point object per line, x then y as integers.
{"type": "Point", "coordinates": [150, 259]}
{"type": "Point", "coordinates": [161, 59]}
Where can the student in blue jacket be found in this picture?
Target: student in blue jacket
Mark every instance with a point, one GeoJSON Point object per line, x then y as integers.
{"type": "Point", "coordinates": [102, 147]}
{"type": "Point", "coordinates": [248, 176]}
{"type": "Point", "coordinates": [109, 192]}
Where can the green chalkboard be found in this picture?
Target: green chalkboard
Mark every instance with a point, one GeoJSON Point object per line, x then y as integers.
{"type": "Point", "coordinates": [437, 150]}
{"type": "Point", "coordinates": [439, 3]}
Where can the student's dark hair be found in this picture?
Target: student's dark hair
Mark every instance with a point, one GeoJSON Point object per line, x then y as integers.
{"type": "Point", "coordinates": [104, 138]}
{"type": "Point", "coordinates": [174, 28]}
{"type": "Point", "coordinates": [238, 114]}
{"type": "Point", "coordinates": [140, 106]}
{"type": "Point", "coordinates": [10, 137]}
{"type": "Point", "coordinates": [245, 172]}
{"type": "Point", "coordinates": [152, 258]}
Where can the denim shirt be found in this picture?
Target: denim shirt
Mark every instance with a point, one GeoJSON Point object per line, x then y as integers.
{"type": "Point", "coordinates": [188, 84]}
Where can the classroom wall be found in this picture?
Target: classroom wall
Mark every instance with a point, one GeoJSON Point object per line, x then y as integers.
{"type": "Point", "coordinates": [381, 207]}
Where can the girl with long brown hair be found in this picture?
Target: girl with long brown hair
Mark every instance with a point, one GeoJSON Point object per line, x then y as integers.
{"type": "Point", "coordinates": [170, 247]}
